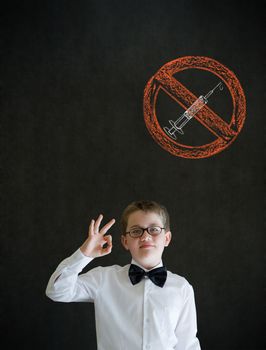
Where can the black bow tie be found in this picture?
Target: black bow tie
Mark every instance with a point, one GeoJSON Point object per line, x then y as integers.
{"type": "Point", "coordinates": [157, 276]}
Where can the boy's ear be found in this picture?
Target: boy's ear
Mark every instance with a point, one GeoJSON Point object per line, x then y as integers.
{"type": "Point", "coordinates": [168, 237]}
{"type": "Point", "coordinates": [124, 241]}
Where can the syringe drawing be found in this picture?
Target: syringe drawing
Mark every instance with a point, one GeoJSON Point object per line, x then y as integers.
{"type": "Point", "coordinates": [177, 126]}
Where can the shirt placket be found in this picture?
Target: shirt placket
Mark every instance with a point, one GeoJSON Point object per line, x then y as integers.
{"type": "Point", "coordinates": [146, 345]}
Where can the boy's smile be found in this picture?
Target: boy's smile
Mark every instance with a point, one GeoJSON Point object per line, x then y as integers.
{"type": "Point", "coordinates": [147, 246]}
{"type": "Point", "coordinates": [146, 250]}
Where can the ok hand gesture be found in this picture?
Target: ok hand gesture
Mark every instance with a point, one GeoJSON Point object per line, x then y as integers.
{"type": "Point", "coordinates": [94, 244]}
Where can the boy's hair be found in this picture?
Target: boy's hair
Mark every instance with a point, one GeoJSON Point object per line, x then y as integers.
{"type": "Point", "coordinates": [146, 206]}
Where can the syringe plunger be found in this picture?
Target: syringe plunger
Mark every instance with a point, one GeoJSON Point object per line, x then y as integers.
{"type": "Point", "coordinates": [185, 117]}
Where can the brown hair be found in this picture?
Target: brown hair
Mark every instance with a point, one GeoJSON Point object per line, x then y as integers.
{"type": "Point", "coordinates": [146, 206]}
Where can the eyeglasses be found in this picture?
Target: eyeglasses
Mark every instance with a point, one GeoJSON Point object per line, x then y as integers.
{"type": "Point", "coordinates": [138, 231]}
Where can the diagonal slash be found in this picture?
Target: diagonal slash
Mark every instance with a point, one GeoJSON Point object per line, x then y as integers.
{"type": "Point", "coordinates": [185, 99]}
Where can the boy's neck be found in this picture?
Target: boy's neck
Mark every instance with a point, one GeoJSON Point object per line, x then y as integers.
{"type": "Point", "coordinates": [147, 267]}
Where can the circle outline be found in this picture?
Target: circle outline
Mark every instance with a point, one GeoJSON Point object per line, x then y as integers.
{"type": "Point", "coordinates": [152, 89]}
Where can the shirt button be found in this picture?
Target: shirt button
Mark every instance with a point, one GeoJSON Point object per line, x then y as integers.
{"type": "Point", "coordinates": [148, 346]}
{"type": "Point", "coordinates": [147, 321]}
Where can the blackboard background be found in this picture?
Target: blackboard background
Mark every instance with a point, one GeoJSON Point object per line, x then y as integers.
{"type": "Point", "coordinates": [74, 144]}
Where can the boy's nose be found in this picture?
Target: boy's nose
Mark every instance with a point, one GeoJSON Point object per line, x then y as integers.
{"type": "Point", "coordinates": [145, 236]}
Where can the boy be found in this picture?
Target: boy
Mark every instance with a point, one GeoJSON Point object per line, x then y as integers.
{"type": "Point", "coordinates": [137, 306]}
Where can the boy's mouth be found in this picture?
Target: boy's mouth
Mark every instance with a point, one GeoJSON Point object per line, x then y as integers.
{"type": "Point", "coordinates": [147, 246]}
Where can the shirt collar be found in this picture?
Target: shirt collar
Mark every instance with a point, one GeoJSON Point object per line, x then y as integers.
{"type": "Point", "coordinates": [159, 265]}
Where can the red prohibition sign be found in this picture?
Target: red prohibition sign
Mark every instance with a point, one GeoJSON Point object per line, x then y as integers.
{"type": "Point", "coordinates": [225, 133]}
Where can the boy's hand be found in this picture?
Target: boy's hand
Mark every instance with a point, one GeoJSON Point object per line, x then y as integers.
{"type": "Point", "coordinates": [93, 246]}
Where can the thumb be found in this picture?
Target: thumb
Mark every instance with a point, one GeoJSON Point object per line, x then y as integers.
{"type": "Point", "coordinates": [108, 248]}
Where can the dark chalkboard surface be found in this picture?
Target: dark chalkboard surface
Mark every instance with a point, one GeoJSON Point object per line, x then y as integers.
{"type": "Point", "coordinates": [75, 144]}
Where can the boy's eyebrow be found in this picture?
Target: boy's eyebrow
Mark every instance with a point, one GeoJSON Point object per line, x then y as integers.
{"type": "Point", "coordinates": [153, 224]}
{"type": "Point", "coordinates": [135, 226]}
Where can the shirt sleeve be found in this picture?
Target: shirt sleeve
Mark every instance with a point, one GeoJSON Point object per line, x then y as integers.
{"type": "Point", "coordinates": [66, 285]}
{"type": "Point", "coordinates": [186, 329]}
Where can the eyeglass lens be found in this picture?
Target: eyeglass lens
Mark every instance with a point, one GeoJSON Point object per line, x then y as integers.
{"type": "Point", "coordinates": [153, 230]}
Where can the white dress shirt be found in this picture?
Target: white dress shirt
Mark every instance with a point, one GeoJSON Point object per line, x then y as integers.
{"type": "Point", "coordinates": [129, 317]}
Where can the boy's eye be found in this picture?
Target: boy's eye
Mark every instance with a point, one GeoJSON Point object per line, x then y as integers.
{"type": "Point", "coordinates": [136, 231]}
{"type": "Point", "coordinates": [154, 230]}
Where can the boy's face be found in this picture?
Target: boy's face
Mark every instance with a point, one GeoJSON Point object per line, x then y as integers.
{"type": "Point", "coordinates": [146, 250]}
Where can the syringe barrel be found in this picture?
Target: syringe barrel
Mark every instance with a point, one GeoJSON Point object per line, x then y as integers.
{"type": "Point", "coordinates": [196, 106]}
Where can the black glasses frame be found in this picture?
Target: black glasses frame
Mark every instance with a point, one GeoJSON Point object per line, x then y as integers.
{"type": "Point", "coordinates": [146, 229]}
